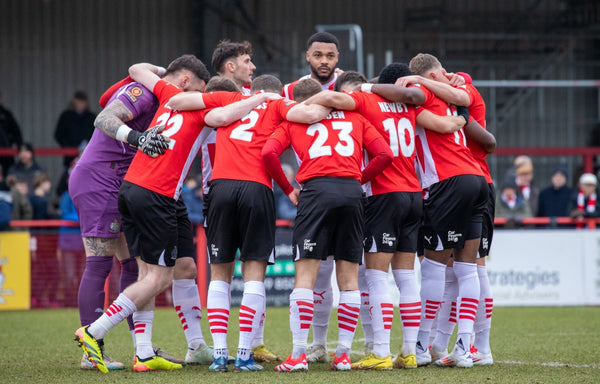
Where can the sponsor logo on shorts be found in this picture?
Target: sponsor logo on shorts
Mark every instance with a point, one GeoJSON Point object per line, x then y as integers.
{"type": "Point", "coordinates": [214, 251]}
{"type": "Point", "coordinates": [453, 236]}
{"type": "Point", "coordinates": [309, 245]}
{"type": "Point", "coordinates": [388, 239]}
{"type": "Point", "coordinates": [174, 253]}
{"type": "Point", "coordinates": [114, 227]}
{"type": "Point", "coordinates": [484, 243]}
{"type": "Point", "coordinates": [428, 239]}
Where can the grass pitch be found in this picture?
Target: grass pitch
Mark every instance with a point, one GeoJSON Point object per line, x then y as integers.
{"type": "Point", "coordinates": [530, 345]}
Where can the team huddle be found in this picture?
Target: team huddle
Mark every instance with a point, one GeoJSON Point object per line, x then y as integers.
{"type": "Point", "coordinates": [388, 168]}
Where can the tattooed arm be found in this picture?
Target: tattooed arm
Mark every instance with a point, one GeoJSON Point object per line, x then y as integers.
{"type": "Point", "coordinates": [112, 117]}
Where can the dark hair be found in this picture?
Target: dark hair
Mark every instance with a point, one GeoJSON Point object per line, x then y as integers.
{"type": "Point", "coordinates": [267, 83]}
{"type": "Point", "coordinates": [391, 72]}
{"type": "Point", "coordinates": [322, 37]}
{"type": "Point", "coordinates": [80, 95]}
{"type": "Point", "coordinates": [227, 50]}
{"type": "Point", "coordinates": [349, 77]}
{"type": "Point", "coordinates": [220, 83]}
{"type": "Point", "coordinates": [305, 89]}
{"type": "Point", "coordinates": [190, 63]}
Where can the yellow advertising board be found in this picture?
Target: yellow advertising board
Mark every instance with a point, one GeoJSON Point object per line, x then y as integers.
{"type": "Point", "coordinates": [15, 271]}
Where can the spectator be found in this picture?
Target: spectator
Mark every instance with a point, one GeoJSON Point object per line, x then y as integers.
{"type": "Point", "coordinates": [192, 197]}
{"type": "Point", "coordinates": [555, 200]}
{"type": "Point", "coordinates": [523, 174]}
{"type": "Point", "coordinates": [5, 203]}
{"type": "Point", "coordinates": [10, 136]}
{"type": "Point", "coordinates": [284, 208]}
{"type": "Point", "coordinates": [39, 198]}
{"type": "Point", "coordinates": [585, 202]}
{"type": "Point", "coordinates": [19, 191]}
{"type": "Point", "coordinates": [510, 204]}
{"type": "Point", "coordinates": [75, 124]}
{"type": "Point", "coordinates": [26, 168]}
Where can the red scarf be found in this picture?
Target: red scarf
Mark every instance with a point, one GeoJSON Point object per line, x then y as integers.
{"type": "Point", "coordinates": [590, 207]}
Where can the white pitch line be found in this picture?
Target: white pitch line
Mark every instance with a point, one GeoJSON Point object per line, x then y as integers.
{"type": "Point", "coordinates": [551, 364]}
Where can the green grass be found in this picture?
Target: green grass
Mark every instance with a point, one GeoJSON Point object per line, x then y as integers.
{"type": "Point", "coordinates": [530, 345]}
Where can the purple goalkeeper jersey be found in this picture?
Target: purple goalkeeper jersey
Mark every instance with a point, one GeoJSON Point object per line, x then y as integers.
{"type": "Point", "coordinates": [95, 181]}
{"type": "Point", "coordinates": [103, 149]}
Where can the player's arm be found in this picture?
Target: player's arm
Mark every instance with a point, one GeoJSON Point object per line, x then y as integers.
{"type": "Point", "coordinates": [474, 131]}
{"type": "Point", "coordinates": [223, 116]}
{"type": "Point", "coordinates": [444, 91]}
{"type": "Point", "coordinates": [270, 155]}
{"type": "Point", "coordinates": [382, 157]}
{"type": "Point", "coordinates": [396, 93]}
{"type": "Point", "coordinates": [335, 100]}
{"type": "Point", "coordinates": [146, 74]}
{"type": "Point", "coordinates": [443, 124]}
{"type": "Point", "coordinates": [112, 121]}
{"type": "Point", "coordinates": [307, 114]}
{"type": "Point", "coordinates": [187, 101]}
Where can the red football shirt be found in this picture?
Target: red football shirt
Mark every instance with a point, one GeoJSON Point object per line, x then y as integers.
{"type": "Point", "coordinates": [239, 145]}
{"type": "Point", "coordinates": [396, 123]}
{"type": "Point", "coordinates": [186, 129]}
{"type": "Point", "coordinates": [477, 112]}
{"type": "Point", "coordinates": [441, 156]}
{"type": "Point", "coordinates": [331, 147]}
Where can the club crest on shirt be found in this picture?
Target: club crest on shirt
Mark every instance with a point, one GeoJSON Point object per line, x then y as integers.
{"type": "Point", "coordinates": [114, 227]}
{"type": "Point", "coordinates": [134, 93]}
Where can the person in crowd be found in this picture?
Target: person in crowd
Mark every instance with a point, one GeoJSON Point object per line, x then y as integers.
{"type": "Point", "coordinates": [191, 193]}
{"type": "Point", "coordinates": [39, 198]}
{"type": "Point", "coordinates": [75, 124]}
{"type": "Point", "coordinates": [10, 135]}
{"type": "Point", "coordinates": [510, 203]}
{"type": "Point", "coordinates": [585, 201]}
{"type": "Point", "coordinates": [26, 167]}
{"type": "Point", "coordinates": [523, 174]}
{"type": "Point", "coordinates": [6, 203]}
{"type": "Point", "coordinates": [555, 200]}
{"type": "Point", "coordinates": [19, 190]}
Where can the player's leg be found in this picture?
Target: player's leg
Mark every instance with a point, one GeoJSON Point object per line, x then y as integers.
{"type": "Point", "coordinates": [446, 320]}
{"type": "Point", "coordinates": [323, 304]}
{"type": "Point", "coordinates": [348, 312]}
{"type": "Point", "coordinates": [366, 320]}
{"type": "Point", "coordinates": [218, 305]}
{"type": "Point", "coordinates": [186, 297]}
{"type": "Point", "coordinates": [301, 313]}
{"type": "Point", "coordinates": [381, 311]}
{"type": "Point", "coordinates": [483, 321]}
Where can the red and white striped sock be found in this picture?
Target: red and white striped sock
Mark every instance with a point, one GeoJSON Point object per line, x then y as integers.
{"type": "Point", "coordinates": [433, 276]}
{"type": "Point", "coordinates": [142, 324]}
{"type": "Point", "coordinates": [410, 308]}
{"type": "Point", "coordinates": [483, 321]}
{"type": "Point", "coordinates": [186, 301]}
{"type": "Point", "coordinates": [467, 302]}
{"type": "Point", "coordinates": [301, 317]}
{"type": "Point", "coordinates": [447, 315]}
{"type": "Point", "coordinates": [348, 312]}
{"type": "Point", "coordinates": [117, 312]}
{"type": "Point", "coordinates": [218, 303]}
{"type": "Point", "coordinates": [251, 310]}
{"type": "Point", "coordinates": [382, 311]}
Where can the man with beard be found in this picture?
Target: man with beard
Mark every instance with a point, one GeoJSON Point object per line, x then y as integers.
{"type": "Point", "coordinates": [322, 56]}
